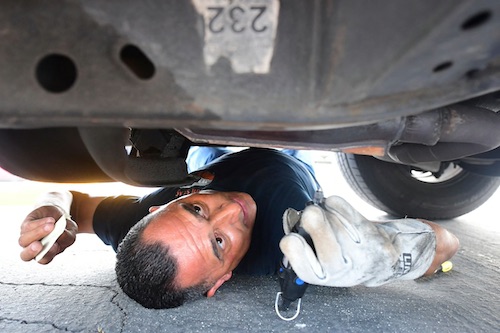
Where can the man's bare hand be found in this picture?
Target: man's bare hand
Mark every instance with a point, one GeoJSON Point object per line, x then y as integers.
{"type": "Point", "coordinates": [38, 224]}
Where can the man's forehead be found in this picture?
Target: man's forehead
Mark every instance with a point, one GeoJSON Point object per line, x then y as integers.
{"type": "Point", "coordinates": [180, 229]}
{"type": "Point", "coordinates": [193, 251]}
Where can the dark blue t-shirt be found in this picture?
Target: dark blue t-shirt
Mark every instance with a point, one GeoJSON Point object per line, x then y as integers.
{"type": "Point", "coordinates": [274, 180]}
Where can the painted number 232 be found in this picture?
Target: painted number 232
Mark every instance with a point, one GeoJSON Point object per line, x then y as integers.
{"type": "Point", "coordinates": [239, 19]}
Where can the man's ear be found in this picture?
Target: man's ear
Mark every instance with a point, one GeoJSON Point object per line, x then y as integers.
{"type": "Point", "coordinates": [153, 208]}
{"type": "Point", "coordinates": [219, 283]}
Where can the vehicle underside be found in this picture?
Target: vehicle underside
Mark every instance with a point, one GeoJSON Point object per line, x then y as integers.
{"type": "Point", "coordinates": [407, 92]}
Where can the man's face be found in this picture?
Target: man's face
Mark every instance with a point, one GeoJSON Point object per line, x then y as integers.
{"type": "Point", "coordinates": [208, 232]}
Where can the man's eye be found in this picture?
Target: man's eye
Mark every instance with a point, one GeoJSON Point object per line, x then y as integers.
{"type": "Point", "coordinates": [220, 242]}
{"type": "Point", "coordinates": [197, 209]}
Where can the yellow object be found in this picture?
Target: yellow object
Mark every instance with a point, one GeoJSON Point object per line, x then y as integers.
{"type": "Point", "coordinates": [446, 266]}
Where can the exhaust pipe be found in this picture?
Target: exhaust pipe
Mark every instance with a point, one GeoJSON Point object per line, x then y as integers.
{"type": "Point", "coordinates": [458, 131]}
{"type": "Point", "coordinates": [443, 134]}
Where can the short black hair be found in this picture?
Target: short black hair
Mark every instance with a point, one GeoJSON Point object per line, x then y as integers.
{"type": "Point", "coordinates": [146, 272]}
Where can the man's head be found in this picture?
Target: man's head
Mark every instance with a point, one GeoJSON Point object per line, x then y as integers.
{"type": "Point", "coordinates": [185, 248]}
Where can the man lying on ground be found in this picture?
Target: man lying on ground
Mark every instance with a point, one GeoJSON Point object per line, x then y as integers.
{"type": "Point", "coordinates": [179, 243]}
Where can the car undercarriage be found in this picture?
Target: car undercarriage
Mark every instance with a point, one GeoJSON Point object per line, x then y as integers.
{"type": "Point", "coordinates": [119, 91]}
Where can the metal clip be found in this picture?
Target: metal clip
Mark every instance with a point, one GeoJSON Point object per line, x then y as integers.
{"type": "Point", "coordinates": [318, 197]}
{"type": "Point", "coordinates": [276, 308]}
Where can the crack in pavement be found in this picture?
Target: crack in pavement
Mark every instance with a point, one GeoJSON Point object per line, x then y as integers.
{"type": "Point", "coordinates": [113, 300]}
{"type": "Point", "coordinates": [122, 310]}
{"type": "Point", "coordinates": [24, 322]}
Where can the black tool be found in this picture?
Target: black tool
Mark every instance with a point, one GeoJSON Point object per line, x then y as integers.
{"type": "Point", "coordinates": [293, 287]}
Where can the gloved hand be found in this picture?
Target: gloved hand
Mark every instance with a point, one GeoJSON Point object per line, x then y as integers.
{"type": "Point", "coordinates": [350, 250]}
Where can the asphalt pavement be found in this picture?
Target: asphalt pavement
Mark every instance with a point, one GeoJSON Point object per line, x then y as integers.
{"type": "Point", "coordinates": [78, 292]}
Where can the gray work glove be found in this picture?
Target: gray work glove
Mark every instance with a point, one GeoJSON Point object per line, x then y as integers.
{"type": "Point", "coordinates": [350, 250]}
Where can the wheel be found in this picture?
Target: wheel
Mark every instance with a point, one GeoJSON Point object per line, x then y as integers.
{"type": "Point", "coordinates": [48, 155]}
{"type": "Point", "coordinates": [402, 190]}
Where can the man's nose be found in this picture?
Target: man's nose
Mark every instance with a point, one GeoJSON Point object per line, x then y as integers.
{"type": "Point", "coordinates": [228, 213]}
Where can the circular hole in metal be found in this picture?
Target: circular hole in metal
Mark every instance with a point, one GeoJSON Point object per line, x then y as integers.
{"type": "Point", "coordinates": [476, 20]}
{"type": "Point", "coordinates": [56, 73]}
{"type": "Point", "coordinates": [472, 73]}
{"type": "Point", "coordinates": [442, 66]}
{"type": "Point", "coordinates": [137, 62]}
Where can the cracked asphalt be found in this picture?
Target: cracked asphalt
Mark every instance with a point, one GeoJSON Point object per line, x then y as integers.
{"type": "Point", "coordinates": [78, 292]}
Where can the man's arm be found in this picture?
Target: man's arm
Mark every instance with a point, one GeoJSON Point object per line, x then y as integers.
{"type": "Point", "coordinates": [41, 221]}
{"type": "Point", "coordinates": [83, 208]}
{"type": "Point", "coordinates": [446, 246]}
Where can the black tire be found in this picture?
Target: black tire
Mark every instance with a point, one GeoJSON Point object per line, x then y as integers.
{"type": "Point", "coordinates": [392, 188]}
{"type": "Point", "coordinates": [48, 155]}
